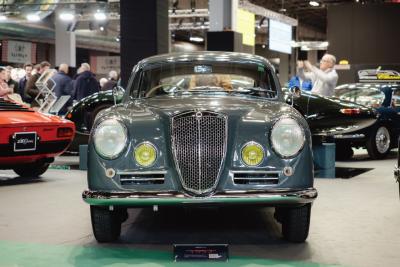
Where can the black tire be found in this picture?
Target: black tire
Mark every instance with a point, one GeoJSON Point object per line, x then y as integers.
{"type": "Point", "coordinates": [378, 143]}
{"type": "Point", "coordinates": [106, 224]}
{"type": "Point", "coordinates": [296, 223]}
{"type": "Point", "coordinates": [32, 170]}
{"type": "Point", "coordinates": [344, 152]}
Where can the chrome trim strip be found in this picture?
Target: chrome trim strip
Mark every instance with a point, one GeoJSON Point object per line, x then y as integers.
{"type": "Point", "coordinates": [349, 136]}
{"type": "Point", "coordinates": [141, 179]}
{"type": "Point", "coordinates": [307, 195]}
{"type": "Point", "coordinates": [140, 172]}
{"type": "Point", "coordinates": [255, 178]}
{"type": "Point", "coordinates": [256, 172]}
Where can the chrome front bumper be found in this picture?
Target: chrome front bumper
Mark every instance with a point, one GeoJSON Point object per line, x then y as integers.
{"type": "Point", "coordinates": [275, 197]}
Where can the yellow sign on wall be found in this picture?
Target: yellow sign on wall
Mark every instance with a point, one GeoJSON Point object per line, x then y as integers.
{"type": "Point", "coordinates": [246, 26]}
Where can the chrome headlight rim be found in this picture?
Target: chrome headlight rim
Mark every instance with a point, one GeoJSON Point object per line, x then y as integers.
{"type": "Point", "coordinates": [125, 131]}
{"type": "Point", "coordinates": [256, 144]}
{"type": "Point", "coordinates": [302, 132]}
{"type": "Point", "coordinates": [155, 149]}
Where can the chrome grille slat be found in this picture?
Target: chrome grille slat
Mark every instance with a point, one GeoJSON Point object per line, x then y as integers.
{"type": "Point", "coordinates": [199, 146]}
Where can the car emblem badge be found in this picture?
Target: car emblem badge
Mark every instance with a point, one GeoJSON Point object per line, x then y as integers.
{"type": "Point", "coordinates": [199, 114]}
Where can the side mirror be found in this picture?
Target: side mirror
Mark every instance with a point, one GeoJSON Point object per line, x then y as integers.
{"type": "Point", "coordinates": [115, 91]}
{"type": "Point", "coordinates": [294, 92]}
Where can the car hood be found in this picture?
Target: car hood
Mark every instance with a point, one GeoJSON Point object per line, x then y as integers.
{"type": "Point", "coordinates": [16, 118]}
{"type": "Point", "coordinates": [249, 108]}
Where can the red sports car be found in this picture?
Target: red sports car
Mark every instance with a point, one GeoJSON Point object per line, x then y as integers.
{"type": "Point", "coordinates": [30, 140]}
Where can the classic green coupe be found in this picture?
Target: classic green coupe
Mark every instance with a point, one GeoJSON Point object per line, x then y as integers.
{"type": "Point", "coordinates": [201, 129]}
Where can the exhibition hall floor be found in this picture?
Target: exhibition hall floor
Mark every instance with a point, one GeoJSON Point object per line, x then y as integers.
{"type": "Point", "coordinates": [354, 222]}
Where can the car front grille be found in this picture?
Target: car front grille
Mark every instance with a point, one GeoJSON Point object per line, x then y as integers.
{"type": "Point", "coordinates": [199, 146]}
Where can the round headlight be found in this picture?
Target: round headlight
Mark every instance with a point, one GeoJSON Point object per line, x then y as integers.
{"type": "Point", "coordinates": [287, 137]}
{"type": "Point", "coordinates": [110, 138]}
{"type": "Point", "coordinates": [252, 154]}
{"type": "Point", "coordinates": [145, 154]}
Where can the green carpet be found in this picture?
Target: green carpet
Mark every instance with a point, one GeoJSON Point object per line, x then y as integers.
{"type": "Point", "coordinates": [13, 254]}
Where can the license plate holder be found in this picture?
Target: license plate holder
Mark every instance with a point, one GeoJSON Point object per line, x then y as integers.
{"type": "Point", "coordinates": [25, 141]}
{"type": "Point", "coordinates": [201, 252]}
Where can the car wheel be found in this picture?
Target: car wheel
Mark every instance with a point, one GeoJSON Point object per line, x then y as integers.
{"type": "Point", "coordinates": [106, 224]}
{"type": "Point", "coordinates": [378, 144]}
{"type": "Point", "coordinates": [296, 223]}
{"type": "Point", "coordinates": [344, 152]}
{"type": "Point", "coordinates": [32, 170]}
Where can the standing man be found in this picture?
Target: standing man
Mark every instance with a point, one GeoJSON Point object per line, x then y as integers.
{"type": "Point", "coordinates": [63, 85]}
{"type": "Point", "coordinates": [85, 83]}
{"type": "Point", "coordinates": [324, 79]}
{"type": "Point", "coordinates": [4, 89]}
{"type": "Point", "coordinates": [28, 67]}
{"type": "Point", "coordinates": [112, 81]}
{"type": "Point", "coordinates": [13, 85]}
{"type": "Point", "coordinates": [31, 90]}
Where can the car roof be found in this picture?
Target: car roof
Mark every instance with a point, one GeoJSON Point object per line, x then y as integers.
{"type": "Point", "coordinates": [207, 56]}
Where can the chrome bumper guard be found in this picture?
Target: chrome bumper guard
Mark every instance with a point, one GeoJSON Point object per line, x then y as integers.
{"type": "Point", "coordinates": [270, 197]}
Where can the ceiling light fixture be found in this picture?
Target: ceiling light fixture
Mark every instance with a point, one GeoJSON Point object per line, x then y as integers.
{"type": "Point", "coordinates": [67, 16]}
{"type": "Point", "coordinates": [313, 3]}
{"type": "Point", "coordinates": [33, 17]}
{"type": "Point", "coordinates": [101, 28]}
{"type": "Point", "coordinates": [100, 15]}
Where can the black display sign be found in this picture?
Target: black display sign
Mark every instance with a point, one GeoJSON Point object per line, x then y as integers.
{"type": "Point", "coordinates": [25, 141]}
{"type": "Point", "coordinates": [209, 252]}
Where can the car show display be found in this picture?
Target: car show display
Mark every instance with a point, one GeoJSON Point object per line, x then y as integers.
{"type": "Point", "coordinates": [345, 123]}
{"type": "Point", "coordinates": [385, 99]}
{"type": "Point", "coordinates": [205, 128]}
{"type": "Point", "coordinates": [30, 140]}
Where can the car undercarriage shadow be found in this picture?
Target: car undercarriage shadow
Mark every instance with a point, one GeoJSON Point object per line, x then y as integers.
{"type": "Point", "coordinates": [9, 180]}
{"type": "Point", "coordinates": [233, 225]}
{"type": "Point", "coordinates": [249, 231]}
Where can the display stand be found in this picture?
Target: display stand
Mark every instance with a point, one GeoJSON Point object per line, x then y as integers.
{"type": "Point", "coordinates": [46, 97]}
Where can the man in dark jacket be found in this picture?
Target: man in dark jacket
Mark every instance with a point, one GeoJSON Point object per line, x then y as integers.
{"type": "Point", "coordinates": [85, 83]}
{"type": "Point", "coordinates": [28, 67]}
{"type": "Point", "coordinates": [63, 85]}
{"type": "Point", "coordinates": [31, 90]}
{"type": "Point", "coordinates": [112, 81]}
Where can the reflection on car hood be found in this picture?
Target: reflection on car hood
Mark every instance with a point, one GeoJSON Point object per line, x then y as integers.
{"type": "Point", "coordinates": [246, 107]}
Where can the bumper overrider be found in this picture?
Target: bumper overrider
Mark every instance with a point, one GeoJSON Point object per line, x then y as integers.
{"type": "Point", "coordinates": [275, 197]}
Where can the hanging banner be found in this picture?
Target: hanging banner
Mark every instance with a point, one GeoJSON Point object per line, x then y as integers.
{"type": "Point", "coordinates": [246, 26]}
{"type": "Point", "coordinates": [18, 52]}
{"type": "Point", "coordinates": [104, 64]}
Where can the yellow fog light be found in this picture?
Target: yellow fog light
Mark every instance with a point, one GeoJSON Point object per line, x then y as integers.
{"type": "Point", "coordinates": [252, 154]}
{"type": "Point", "coordinates": [145, 154]}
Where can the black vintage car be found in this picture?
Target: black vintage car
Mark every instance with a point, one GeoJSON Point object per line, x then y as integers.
{"type": "Point", "coordinates": [385, 99]}
{"type": "Point", "coordinates": [201, 129]}
{"type": "Point", "coordinates": [346, 123]}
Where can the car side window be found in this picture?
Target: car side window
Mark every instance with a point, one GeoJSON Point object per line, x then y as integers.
{"type": "Point", "coordinates": [396, 98]}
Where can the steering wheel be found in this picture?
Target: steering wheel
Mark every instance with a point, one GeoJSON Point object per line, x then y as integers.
{"type": "Point", "coordinates": [155, 88]}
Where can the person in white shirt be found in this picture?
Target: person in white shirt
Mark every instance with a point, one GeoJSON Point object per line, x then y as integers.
{"type": "Point", "coordinates": [324, 79]}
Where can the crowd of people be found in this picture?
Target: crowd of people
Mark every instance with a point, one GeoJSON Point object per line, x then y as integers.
{"type": "Point", "coordinates": [24, 89]}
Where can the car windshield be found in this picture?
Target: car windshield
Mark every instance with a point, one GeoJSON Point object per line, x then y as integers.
{"type": "Point", "coordinates": [207, 78]}
{"type": "Point", "coordinates": [367, 96]}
